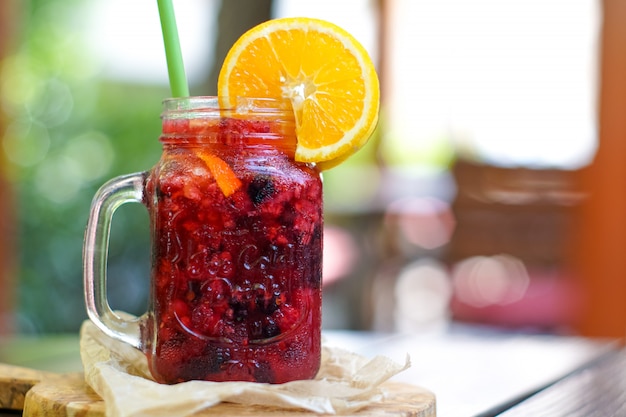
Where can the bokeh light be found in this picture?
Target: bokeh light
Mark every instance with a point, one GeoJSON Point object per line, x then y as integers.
{"type": "Point", "coordinates": [340, 253]}
{"type": "Point", "coordinates": [485, 280]}
{"type": "Point", "coordinates": [422, 222]}
{"type": "Point", "coordinates": [25, 143]}
{"type": "Point", "coordinates": [422, 295]}
{"type": "Point", "coordinates": [93, 154]}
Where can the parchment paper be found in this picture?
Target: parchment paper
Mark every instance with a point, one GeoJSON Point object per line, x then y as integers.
{"type": "Point", "coordinates": [119, 373]}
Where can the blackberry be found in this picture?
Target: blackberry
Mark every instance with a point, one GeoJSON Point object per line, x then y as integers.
{"type": "Point", "coordinates": [240, 311]}
{"type": "Point", "coordinates": [200, 367]}
{"type": "Point", "coordinates": [256, 329]}
{"type": "Point", "coordinates": [260, 188]}
{"type": "Point", "coordinates": [263, 372]}
{"type": "Point", "coordinates": [272, 305]}
{"type": "Point", "coordinates": [271, 329]}
{"type": "Point", "coordinates": [267, 304]}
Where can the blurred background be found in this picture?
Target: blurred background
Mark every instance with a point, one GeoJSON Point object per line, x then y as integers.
{"type": "Point", "coordinates": [491, 193]}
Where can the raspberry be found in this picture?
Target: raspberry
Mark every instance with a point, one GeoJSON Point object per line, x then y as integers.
{"type": "Point", "coordinates": [217, 294]}
{"type": "Point", "coordinates": [195, 266]}
{"type": "Point", "coordinates": [227, 268]}
{"type": "Point", "coordinates": [203, 320]}
{"type": "Point", "coordinates": [277, 234]}
{"type": "Point", "coordinates": [241, 202]}
{"type": "Point", "coordinates": [192, 191]}
{"type": "Point", "coordinates": [277, 206]}
{"type": "Point", "coordinates": [213, 266]}
{"type": "Point", "coordinates": [285, 317]}
{"type": "Point", "coordinates": [181, 310]}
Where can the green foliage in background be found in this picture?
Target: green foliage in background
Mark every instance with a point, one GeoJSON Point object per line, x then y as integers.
{"type": "Point", "coordinates": [69, 131]}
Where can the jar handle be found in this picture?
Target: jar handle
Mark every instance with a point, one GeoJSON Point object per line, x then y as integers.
{"type": "Point", "coordinates": [116, 192]}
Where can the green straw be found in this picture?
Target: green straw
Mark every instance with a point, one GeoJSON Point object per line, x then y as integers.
{"type": "Point", "coordinates": [173, 55]}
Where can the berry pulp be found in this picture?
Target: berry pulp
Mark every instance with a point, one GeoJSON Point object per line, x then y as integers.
{"type": "Point", "coordinates": [237, 253]}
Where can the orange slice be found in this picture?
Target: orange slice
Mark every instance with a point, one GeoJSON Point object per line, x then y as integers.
{"type": "Point", "coordinates": [223, 174]}
{"type": "Point", "coordinates": [325, 73]}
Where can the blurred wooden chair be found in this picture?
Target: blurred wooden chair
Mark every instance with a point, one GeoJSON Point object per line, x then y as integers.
{"type": "Point", "coordinates": [506, 217]}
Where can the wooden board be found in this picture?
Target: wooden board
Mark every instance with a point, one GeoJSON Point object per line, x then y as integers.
{"type": "Point", "coordinates": [70, 396]}
{"type": "Point", "coordinates": [15, 382]}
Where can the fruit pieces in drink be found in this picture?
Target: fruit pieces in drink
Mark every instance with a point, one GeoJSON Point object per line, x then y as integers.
{"type": "Point", "coordinates": [241, 299]}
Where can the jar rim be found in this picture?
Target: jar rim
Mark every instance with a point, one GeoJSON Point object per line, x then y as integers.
{"type": "Point", "coordinates": [195, 106]}
{"type": "Point", "coordinates": [204, 119]}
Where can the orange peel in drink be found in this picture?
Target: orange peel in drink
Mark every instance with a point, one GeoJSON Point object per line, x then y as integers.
{"type": "Point", "coordinates": [224, 176]}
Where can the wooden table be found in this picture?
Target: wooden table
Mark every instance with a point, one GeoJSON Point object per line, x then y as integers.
{"type": "Point", "coordinates": [477, 371]}
{"type": "Point", "coordinates": [472, 371]}
{"type": "Point", "coordinates": [598, 389]}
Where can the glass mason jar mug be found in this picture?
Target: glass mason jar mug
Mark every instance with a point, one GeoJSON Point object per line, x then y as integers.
{"type": "Point", "coordinates": [236, 235]}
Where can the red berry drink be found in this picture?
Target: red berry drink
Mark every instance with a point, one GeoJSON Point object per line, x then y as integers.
{"type": "Point", "coordinates": [237, 250]}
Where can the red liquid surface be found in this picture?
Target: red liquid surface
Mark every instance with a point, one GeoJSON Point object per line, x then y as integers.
{"type": "Point", "coordinates": [236, 279]}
